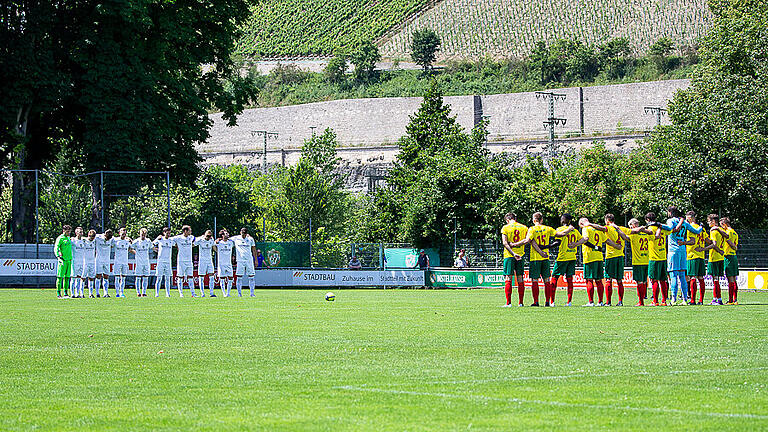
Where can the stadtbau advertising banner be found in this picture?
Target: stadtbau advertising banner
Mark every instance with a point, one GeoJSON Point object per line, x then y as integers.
{"type": "Point", "coordinates": [285, 254]}
{"type": "Point", "coordinates": [28, 267]}
{"type": "Point", "coordinates": [311, 278]}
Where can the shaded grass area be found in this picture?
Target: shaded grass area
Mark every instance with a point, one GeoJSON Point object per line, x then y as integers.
{"type": "Point", "coordinates": [377, 360]}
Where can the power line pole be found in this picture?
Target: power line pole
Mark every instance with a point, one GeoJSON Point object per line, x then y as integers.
{"type": "Point", "coordinates": [657, 110]}
{"type": "Point", "coordinates": [266, 136]}
{"type": "Point", "coordinates": [312, 128]}
{"type": "Point", "coordinates": [552, 121]}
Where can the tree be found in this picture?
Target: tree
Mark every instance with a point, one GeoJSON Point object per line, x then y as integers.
{"type": "Point", "coordinates": [660, 51]}
{"type": "Point", "coordinates": [119, 85]}
{"type": "Point", "coordinates": [336, 69]}
{"type": "Point", "coordinates": [364, 57]}
{"type": "Point", "coordinates": [614, 57]}
{"type": "Point", "coordinates": [424, 48]}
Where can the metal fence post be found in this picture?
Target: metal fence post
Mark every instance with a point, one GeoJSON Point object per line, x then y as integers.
{"type": "Point", "coordinates": [37, 221]}
{"type": "Point", "coordinates": [101, 203]}
{"type": "Point", "coordinates": [311, 264]}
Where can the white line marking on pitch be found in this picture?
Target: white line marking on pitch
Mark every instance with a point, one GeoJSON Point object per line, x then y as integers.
{"type": "Point", "coordinates": [583, 375]}
{"type": "Point", "coordinates": [551, 403]}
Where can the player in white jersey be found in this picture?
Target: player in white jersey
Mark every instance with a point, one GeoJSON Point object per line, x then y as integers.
{"type": "Point", "coordinates": [185, 269]}
{"type": "Point", "coordinates": [122, 244]}
{"type": "Point", "coordinates": [223, 249]}
{"type": "Point", "coordinates": [104, 245]}
{"type": "Point", "coordinates": [245, 250]}
{"type": "Point", "coordinates": [76, 275]}
{"type": "Point", "coordinates": [163, 272]}
{"type": "Point", "coordinates": [89, 262]}
{"type": "Point", "coordinates": [205, 267]}
{"type": "Point", "coordinates": [140, 248]}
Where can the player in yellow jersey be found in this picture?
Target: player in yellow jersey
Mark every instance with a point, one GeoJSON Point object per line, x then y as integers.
{"type": "Point", "coordinates": [640, 240]}
{"type": "Point", "coordinates": [539, 236]}
{"type": "Point", "coordinates": [513, 236]}
{"type": "Point", "coordinates": [729, 258]}
{"type": "Point", "coordinates": [592, 239]}
{"type": "Point", "coordinates": [696, 267]}
{"type": "Point", "coordinates": [565, 263]}
{"type": "Point", "coordinates": [716, 248]}
{"type": "Point", "coordinates": [616, 238]}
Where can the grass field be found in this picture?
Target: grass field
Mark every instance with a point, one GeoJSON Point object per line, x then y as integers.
{"type": "Point", "coordinates": [378, 360]}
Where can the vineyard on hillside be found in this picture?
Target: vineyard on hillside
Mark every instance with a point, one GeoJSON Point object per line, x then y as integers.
{"type": "Point", "coordinates": [280, 28]}
{"type": "Point", "coordinates": [510, 28]}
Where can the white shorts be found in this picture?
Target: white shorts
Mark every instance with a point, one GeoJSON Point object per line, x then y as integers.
{"type": "Point", "coordinates": [246, 268]}
{"type": "Point", "coordinates": [185, 269]}
{"type": "Point", "coordinates": [89, 270]}
{"type": "Point", "coordinates": [77, 269]}
{"type": "Point", "coordinates": [120, 269]}
{"type": "Point", "coordinates": [225, 271]}
{"type": "Point", "coordinates": [141, 269]}
{"type": "Point", "coordinates": [102, 268]}
{"type": "Point", "coordinates": [205, 268]}
{"type": "Point", "coordinates": [163, 269]}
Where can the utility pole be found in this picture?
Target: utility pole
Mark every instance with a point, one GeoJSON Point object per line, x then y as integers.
{"type": "Point", "coordinates": [552, 121]}
{"type": "Point", "coordinates": [312, 128]}
{"type": "Point", "coordinates": [266, 136]}
{"type": "Point", "coordinates": [657, 110]}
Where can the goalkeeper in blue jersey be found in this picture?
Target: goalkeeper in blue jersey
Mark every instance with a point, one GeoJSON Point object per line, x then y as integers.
{"type": "Point", "coordinates": [677, 256]}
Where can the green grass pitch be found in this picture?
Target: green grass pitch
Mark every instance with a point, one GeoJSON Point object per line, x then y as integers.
{"type": "Point", "coordinates": [378, 360]}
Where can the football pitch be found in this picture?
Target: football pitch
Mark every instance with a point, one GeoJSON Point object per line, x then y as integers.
{"type": "Point", "coordinates": [378, 360]}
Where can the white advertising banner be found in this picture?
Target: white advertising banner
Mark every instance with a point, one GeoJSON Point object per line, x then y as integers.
{"type": "Point", "coordinates": [311, 278]}
{"type": "Point", "coordinates": [27, 267]}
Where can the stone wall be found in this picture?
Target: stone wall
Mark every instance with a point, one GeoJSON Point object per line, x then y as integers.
{"type": "Point", "coordinates": [613, 109]}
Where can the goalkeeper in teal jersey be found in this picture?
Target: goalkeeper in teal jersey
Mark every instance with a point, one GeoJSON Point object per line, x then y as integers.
{"type": "Point", "coordinates": [62, 248]}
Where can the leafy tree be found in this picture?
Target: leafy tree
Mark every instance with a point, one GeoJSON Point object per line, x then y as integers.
{"type": "Point", "coordinates": [565, 61]}
{"type": "Point", "coordinates": [118, 84]}
{"type": "Point", "coordinates": [364, 57]}
{"type": "Point", "coordinates": [614, 57]}
{"type": "Point", "coordinates": [660, 51]}
{"type": "Point", "coordinates": [336, 69]}
{"type": "Point", "coordinates": [424, 48]}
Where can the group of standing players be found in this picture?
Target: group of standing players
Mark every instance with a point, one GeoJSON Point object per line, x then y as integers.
{"type": "Point", "coordinates": [669, 254]}
{"type": "Point", "coordinates": [85, 260]}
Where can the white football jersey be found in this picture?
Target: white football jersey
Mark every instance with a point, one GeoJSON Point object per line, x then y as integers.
{"type": "Point", "coordinates": [243, 248]}
{"type": "Point", "coordinates": [164, 248]}
{"type": "Point", "coordinates": [184, 245]}
{"type": "Point", "coordinates": [205, 248]}
{"type": "Point", "coordinates": [142, 248]}
{"type": "Point", "coordinates": [224, 252]}
{"type": "Point", "coordinates": [89, 250]}
{"type": "Point", "coordinates": [103, 248]}
{"type": "Point", "coordinates": [121, 250]}
{"type": "Point", "coordinates": [77, 249]}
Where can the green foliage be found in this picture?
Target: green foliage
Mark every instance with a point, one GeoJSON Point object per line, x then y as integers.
{"type": "Point", "coordinates": [424, 48]}
{"type": "Point", "coordinates": [336, 69]}
{"type": "Point", "coordinates": [319, 27]}
{"type": "Point", "coordinates": [659, 53]}
{"type": "Point", "coordinates": [364, 57]}
{"type": "Point", "coordinates": [465, 77]}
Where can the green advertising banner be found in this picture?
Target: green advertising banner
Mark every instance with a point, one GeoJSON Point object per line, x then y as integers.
{"type": "Point", "coordinates": [408, 257]}
{"type": "Point", "coordinates": [285, 254]}
{"type": "Point", "coordinates": [465, 279]}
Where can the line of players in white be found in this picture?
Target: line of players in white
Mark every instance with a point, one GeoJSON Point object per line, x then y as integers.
{"type": "Point", "coordinates": [91, 261]}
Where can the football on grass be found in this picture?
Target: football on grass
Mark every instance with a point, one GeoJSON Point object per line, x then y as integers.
{"type": "Point", "coordinates": [329, 296]}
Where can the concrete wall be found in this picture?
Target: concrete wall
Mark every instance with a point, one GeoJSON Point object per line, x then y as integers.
{"type": "Point", "coordinates": [376, 122]}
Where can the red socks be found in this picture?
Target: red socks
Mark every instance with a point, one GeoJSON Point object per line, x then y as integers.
{"type": "Point", "coordinates": [621, 290]}
{"type": "Point", "coordinates": [569, 282]}
{"type": "Point", "coordinates": [608, 291]}
{"type": "Point", "coordinates": [552, 289]}
{"type": "Point", "coordinates": [655, 290]}
{"type": "Point", "coordinates": [599, 283]}
{"type": "Point", "coordinates": [535, 291]}
{"type": "Point", "coordinates": [701, 290]}
{"type": "Point", "coordinates": [520, 289]}
{"type": "Point", "coordinates": [640, 293]}
{"type": "Point", "coordinates": [590, 290]}
{"type": "Point", "coordinates": [716, 291]}
{"type": "Point", "coordinates": [692, 290]}
{"type": "Point", "coordinates": [733, 289]}
{"type": "Point", "coordinates": [664, 291]}
{"type": "Point", "coordinates": [508, 291]}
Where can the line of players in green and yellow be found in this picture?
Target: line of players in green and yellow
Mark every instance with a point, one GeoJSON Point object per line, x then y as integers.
{"type": "Point", "coordinates": [673, 252]}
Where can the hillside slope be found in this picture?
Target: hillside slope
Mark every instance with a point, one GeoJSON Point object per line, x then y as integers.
{"type": "Point", "coordinates": [510, 28]}
{"type": "Point", "coordinates": [317, 27]}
